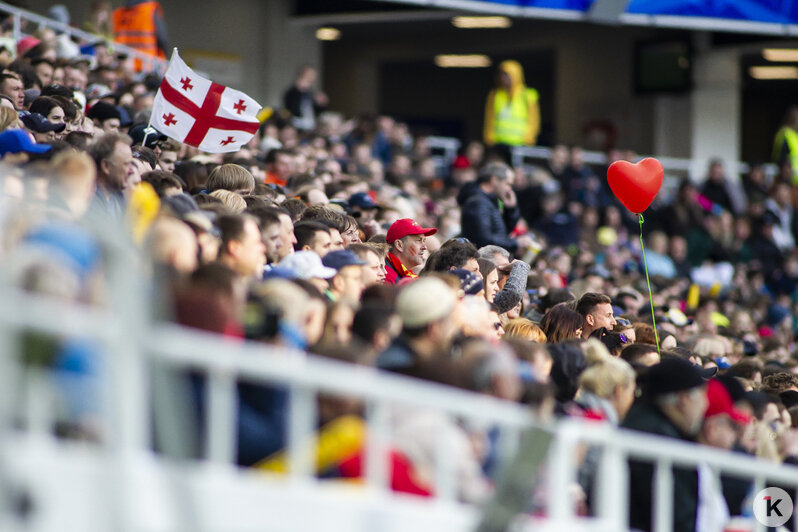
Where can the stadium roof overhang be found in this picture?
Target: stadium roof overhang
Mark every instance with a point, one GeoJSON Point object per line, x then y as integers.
{"type": "Point", "coordinates": [742, 16]}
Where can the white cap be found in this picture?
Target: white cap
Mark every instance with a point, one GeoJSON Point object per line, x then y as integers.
{"type": "Point", "coordinates": [424, 301]}
{"type": "Point", "coordinates": [307, 265]}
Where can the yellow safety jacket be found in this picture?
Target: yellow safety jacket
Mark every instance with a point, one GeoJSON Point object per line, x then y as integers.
{"type": "Point", "coordinates": [511, 118]}
{"type": "Point", "coordinates": [790, 136]}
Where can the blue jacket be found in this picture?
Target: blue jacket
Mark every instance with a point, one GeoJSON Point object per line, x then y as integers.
{"type": "Point", "coordinates": [484, 222]}
{"type": "Point", "coordinates": [262, 414]}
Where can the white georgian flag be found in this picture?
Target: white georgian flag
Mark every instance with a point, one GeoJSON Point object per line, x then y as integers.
{"type": "Point", "coordinates": [201, 113]}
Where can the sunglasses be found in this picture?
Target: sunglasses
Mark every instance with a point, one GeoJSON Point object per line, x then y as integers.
{"type": "Point", "coordinates": [623, 322]}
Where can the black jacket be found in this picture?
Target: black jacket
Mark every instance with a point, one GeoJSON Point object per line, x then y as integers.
{"type": "Point", "coordinates": [483, 223]}
{"type": "Point", "coordinates": [646, 417]}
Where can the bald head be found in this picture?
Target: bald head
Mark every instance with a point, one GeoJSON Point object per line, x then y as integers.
{"type": "Point", "coordinates": [174, 243]}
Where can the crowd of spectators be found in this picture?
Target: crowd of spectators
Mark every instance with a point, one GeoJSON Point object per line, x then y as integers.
{"type": "Point", "coordinates": [348, 240]}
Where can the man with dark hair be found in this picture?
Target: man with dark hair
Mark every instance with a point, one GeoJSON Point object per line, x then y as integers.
{"type": "Point", "coordinates": [336, 240]}
{"type": "Point", "coordinates": [114, 160]}
{"type": "Point", "coordinates": [74, 77]}
{"type": "Point", "coordinates": [374, 269]}
{"type": "Point", "coordinates": [374, 323]}
{"type": "Point", "coordinates": [279, 164]}
{"type": "Point", "coordinates": [105, 116]}
{"type": "Point", "coordinates": [11, 86]}
{"type": "Point", "coordinates": [146, 155]}
{"type": "Point", "coordinates": [555, 297]}
{"type": "Point", "coordinates": [164, 183]}
{"type": "Point", "coordinates": [44, 70]}
{"type": "Point", "coordinates": [271, 231]}
{"type": "Point", "coordinates": [286, 231]}
{"type": "Point", "coordinates": [640, 355]}
{"type": "Point", "coordinates": [242, 248]}
{"type": "Point", "coordinates": [597, 311]}
{"type": "Point", "coordinates": [780, 382]}
{"type": "Point", "coordinates": [454, 256]}
{"type": "Point", "coordinates": [312, 236]}
{"type": "Point", "coordinates": [492, 210]}
{"type": "Point", "coordinates": [168, 151]}
{"type": "Point", "coordinates": [408, 244]}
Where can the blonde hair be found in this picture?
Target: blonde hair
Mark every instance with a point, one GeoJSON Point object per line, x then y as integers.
{"type": "Point", "coordinates": [231, 200]}
{"type": "Point", "coordinates": [605, 373]}
{"type": "Point", "coordinates": [710, 346]}
{"type": "Point", "coordinates": [231, 177]}
{"type": "Point", "coordinates": [289, 298]}
{"type": "Point", "coordinates": [8, 118]}
{"type": "Point", "coordinates": [525, 329]}
{"type": "Point", "coordinates": [73, 169]}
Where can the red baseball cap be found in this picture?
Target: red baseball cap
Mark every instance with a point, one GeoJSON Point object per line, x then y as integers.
{"type": "Point", "coordinates": [719, 401]}
{"type": "Point", "coordinates": [460, 162]}
{"type": "Point", "coordinates": [406, 226]}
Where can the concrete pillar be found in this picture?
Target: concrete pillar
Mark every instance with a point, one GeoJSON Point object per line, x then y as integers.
{"type": "Point", "coordinates": [287, 46]}
{"type": "Point", "coordinates": [672, 125]}
{"type": "Point", "coordinates": [716, 108]}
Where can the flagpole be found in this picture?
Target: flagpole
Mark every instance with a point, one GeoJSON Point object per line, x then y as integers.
{"type": "Point", "coordinates": [149, 123]}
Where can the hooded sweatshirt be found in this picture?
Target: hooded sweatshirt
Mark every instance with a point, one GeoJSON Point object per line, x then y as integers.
{"type": "Point", "coordinates": [512, 116]}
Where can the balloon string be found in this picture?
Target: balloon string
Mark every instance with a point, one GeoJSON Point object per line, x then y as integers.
{"type": "Point", "coordinates": [648, 282]}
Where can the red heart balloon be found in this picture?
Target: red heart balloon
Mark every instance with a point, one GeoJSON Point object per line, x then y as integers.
{"type": "Point", "coordinates": [636, 185]}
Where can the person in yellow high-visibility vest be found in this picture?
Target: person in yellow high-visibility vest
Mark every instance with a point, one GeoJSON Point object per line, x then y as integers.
{"type": "Point", "coordinates": [512, 111]}
{"type": "Point", "coordinates": [785, 145]}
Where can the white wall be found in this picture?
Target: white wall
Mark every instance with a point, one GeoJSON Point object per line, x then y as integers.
{"type": "Point", "coordinates": [716, 102]}
{"type": "Point", "coordinates": [672, 135]}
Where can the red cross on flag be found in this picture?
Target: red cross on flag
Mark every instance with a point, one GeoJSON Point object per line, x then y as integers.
{"type": "Point", "coordinates": [201, 113]}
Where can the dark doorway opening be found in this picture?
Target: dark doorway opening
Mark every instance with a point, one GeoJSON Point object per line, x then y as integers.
{"type": "Point", "coordinates": [764, 105]}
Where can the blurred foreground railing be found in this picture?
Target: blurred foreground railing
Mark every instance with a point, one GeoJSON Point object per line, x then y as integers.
{"type": "Point", "coordinates": [48, 483]}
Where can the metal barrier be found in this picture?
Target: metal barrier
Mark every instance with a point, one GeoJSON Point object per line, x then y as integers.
{"type": "Point", "coordinates": [445, 150]}
{"type": "Point", "coordinates": [140, 490]}
{"type": "Point", "coordinates": [19, 15]}
{"type": "Point", "coordinates": [521, 155]}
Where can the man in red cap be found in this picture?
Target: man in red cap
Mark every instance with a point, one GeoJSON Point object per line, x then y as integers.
{"type": "Point", "coordinates": [721, 419]}
{"type": "Point", "coordinates": [722, 427]}
{"type": "Point", "coordinates": [408, 243]}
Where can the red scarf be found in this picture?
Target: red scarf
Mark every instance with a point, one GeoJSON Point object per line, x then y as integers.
{"type": "Point", "coordinates": [399, 267]}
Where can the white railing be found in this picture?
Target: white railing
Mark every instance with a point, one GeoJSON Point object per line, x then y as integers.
{"type": "Point", "coordinates": [139, 490]}
{"type": "Point", "coordinates": [444, 150]}
{"type": "Point", "coordinates": [19, 15]}
{"type": "Point", "coordinates": [521, 155]}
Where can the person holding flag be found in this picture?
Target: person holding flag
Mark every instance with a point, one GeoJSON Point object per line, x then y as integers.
{"type": "Point", "coordinates": [203, 114]}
